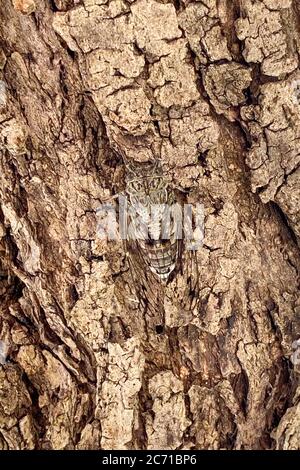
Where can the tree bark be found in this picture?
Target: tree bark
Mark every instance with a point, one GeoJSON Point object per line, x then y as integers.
{"type": "Point", "coordinates": [210, 88]}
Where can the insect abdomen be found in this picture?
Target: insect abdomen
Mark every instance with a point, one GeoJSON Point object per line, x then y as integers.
{"type": "Point", "coordinates": [161, 257]}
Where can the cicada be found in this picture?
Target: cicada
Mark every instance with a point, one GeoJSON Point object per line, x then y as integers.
{"type": "Point", "coordinates": [153, 225]}
{"type": "Point", "coordinates": [156, 247]}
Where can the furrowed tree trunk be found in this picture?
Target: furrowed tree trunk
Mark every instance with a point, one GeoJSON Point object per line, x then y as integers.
{"type": "Point", "coordinates": [210, 88]}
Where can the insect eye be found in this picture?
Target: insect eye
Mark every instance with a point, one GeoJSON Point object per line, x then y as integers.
{"type": "Point", "coordinates": [155, 183]}
{"type": "Point", "coordinates": [134, 186]}
{"type": "Point", "coordinates": [138, 186]}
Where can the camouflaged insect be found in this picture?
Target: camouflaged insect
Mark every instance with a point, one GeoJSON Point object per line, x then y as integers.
{"type": "Point", "coordinates": [164, 255]}
{"type": "Point", "coordinates": [152, 224]}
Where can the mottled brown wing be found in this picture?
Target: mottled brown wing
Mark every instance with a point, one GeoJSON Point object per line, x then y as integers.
{"type": "Point", "coordinates": [191, 277]}
{"type": "Point", "coordinates": [148, 287]}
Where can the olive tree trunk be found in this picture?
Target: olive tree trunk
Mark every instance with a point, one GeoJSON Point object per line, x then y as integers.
{"type": "Point", "coordinates": [211, 89]}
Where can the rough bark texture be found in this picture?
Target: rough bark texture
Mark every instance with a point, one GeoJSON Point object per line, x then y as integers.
{"type": "Point", "coordinates": [208, 87]}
